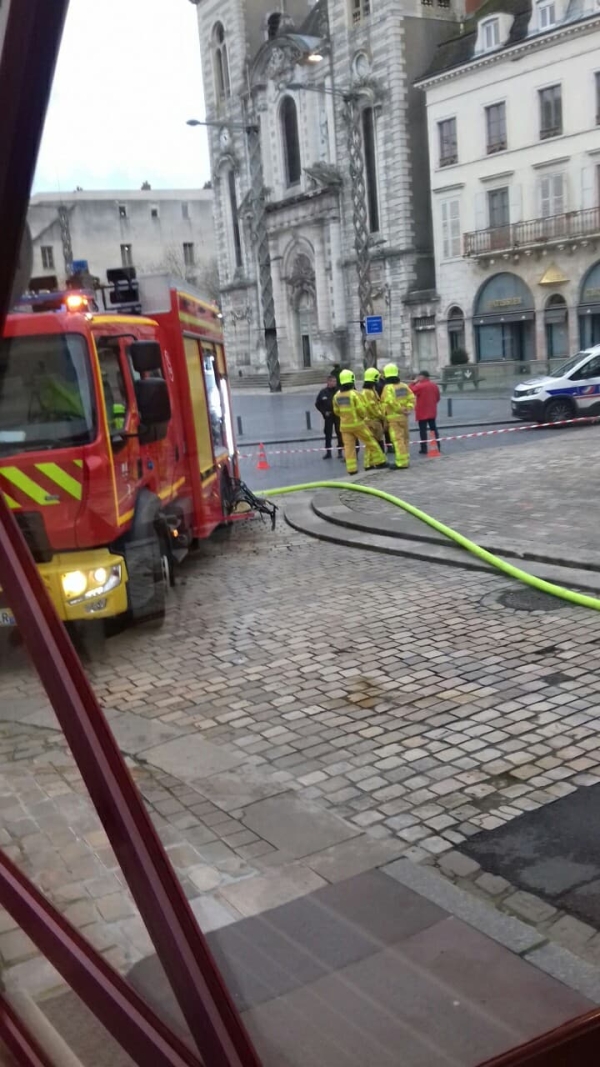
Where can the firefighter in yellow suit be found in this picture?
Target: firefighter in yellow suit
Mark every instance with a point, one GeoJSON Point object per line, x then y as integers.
{"type": "Point", "coordinates": [397, 400]}
{"type": "Point", "coordinates": [349, 406]}
{"type": "Point", "coordinates": [370, 398]}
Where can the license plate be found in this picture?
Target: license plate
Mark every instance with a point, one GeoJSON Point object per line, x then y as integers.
{"type": "Point", "coordinates": [6, 618]}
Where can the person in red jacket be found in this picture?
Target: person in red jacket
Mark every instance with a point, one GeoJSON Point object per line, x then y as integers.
{"type": "Point", "coordinates": [428, 398]}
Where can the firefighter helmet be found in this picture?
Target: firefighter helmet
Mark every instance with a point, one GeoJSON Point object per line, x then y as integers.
{"type": "Point", "coordinates": [390, 370]}
{"type": "Point", "coordinates": [371, 374]}
{"type": "Point", "coordinates": [347, 377]}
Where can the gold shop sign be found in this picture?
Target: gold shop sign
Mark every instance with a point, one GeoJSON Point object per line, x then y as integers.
{"type": "Point", "coordinates": [508, 302]}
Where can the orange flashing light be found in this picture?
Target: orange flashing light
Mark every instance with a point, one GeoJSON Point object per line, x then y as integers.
{"type": "Point", "coordinates": [76, 302]}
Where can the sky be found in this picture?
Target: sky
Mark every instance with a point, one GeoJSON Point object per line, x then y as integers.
{"type": "Point", "coordinates": [128, 77]}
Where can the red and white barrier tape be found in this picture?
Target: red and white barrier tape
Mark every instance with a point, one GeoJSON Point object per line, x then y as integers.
{"type": "Point", "coordinates": [454, 437]}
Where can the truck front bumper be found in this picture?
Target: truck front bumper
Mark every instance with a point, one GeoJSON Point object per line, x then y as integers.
{"type": "Point", "coordinates": [91, 597]}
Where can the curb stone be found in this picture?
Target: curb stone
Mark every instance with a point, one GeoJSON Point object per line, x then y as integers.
{"type": "Point", "coordinates": [515, 935]}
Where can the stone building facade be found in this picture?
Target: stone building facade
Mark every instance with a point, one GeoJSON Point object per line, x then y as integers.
{"type": "Point", "coordinates": [149, 229]}
{"type": "Point", "coordinates": [513, 106]}
{"type": "Point", "coordinates": [319, 155]}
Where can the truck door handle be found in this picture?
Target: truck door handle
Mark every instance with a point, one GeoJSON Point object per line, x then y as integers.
{"type": "Point", "coordinates": [177, 453]}
{"type": "Point", "coordinates": [140, 469]}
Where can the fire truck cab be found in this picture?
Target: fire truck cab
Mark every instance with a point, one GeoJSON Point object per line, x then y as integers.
{"type": "Point", "coordinates": [117, 449]}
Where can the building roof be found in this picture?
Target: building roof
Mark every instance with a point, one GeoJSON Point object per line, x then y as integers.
{"type": "Point", "coordinates": [456, 51]}
{"type": "Point", "coordinates": [459, 50]}
{"type": "Point", "coordinates": [121, 195]}
{"type": "Point", "coordinates": [316, 24]}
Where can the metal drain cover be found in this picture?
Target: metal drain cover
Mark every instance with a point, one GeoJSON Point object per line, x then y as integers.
{"type": "Point", "coordinates": [527, 599]}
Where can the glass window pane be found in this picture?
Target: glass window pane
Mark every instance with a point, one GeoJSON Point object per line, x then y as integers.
{"type": "Point", "coordinates": [46, 396]}
{"type": "Point", "coordinates": [215, 406]}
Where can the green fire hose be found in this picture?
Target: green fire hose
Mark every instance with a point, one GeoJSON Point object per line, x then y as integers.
{"type": "Point", "coordinates": [582, 599]}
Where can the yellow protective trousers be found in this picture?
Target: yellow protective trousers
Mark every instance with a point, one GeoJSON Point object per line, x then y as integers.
{"type": "Point", "coordinates": [350, 407]}
{"type": "Point", "coordinates": [398, 431]}
{"type": "Point", "coordinates": [351, 435]}
{"type": "Point", "coordinates": [376, 428]}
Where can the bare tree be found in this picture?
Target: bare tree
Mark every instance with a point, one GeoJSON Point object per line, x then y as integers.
{"type": "Point", "coordinates": [208, 280]}
{"type": "Point", "coordinates": [172, 262]}
{"type": "Point", "coordinates": [204, 276]}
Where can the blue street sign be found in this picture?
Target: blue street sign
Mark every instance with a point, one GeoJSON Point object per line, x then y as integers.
{"type": "Point", "coordinates": [373, 326]}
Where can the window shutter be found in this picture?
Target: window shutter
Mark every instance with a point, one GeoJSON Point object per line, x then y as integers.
{"type": "Point", "coordinates": [559, 196]}
{"type": "Point", "coordinates": [545, 206]}
{"type": "Point", "coordinates": [480, 212]}
{"type": "Point", "coordinates": [445, 231]}
{"type": "Point", "coordinates": [455, 242]}
{"type": "Point", "coordinates": [516, 211]}
{"type": "Point", "coordinates": [588, 187]}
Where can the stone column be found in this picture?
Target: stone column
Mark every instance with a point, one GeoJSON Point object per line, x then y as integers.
{"type": "Point", "coordinates": [322, 286]}
{"type": "Point", "coordinates": [337, 276]}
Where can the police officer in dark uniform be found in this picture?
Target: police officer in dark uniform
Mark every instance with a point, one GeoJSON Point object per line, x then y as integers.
{"type": "Point", "coordinates": [324, 405]}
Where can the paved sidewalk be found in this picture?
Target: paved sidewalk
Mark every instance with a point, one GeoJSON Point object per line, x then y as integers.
{"type": "Point", "coordinates": [536, 496]}
{"type": "Point", "coordinates": [311, 712]}
{"type": "Point", "coordinates": [366, 971]}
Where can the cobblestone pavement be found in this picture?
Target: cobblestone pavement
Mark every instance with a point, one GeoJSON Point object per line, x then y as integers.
{"type": "Point", "coordinates": [293, 686]}
{"type": "Point", "coordinates": [535, 493]}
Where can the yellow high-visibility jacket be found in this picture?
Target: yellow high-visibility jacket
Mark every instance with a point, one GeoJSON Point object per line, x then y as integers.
{"type": "Point", "coordinates": [372, 403]}
{"type": "Point", "coordinates": [349, 408]}
{"type": "Point", "coordinates": [396, 400]}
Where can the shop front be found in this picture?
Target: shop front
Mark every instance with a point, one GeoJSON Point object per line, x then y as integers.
{"type": "Point", "coordinates": [504, 320]}
{"type": "Point", "coordinates": [556, 319]}
{"type": "Point", "coordinates": [589, 308]}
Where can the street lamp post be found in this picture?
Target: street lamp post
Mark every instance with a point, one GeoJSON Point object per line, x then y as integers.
{"type": "Point", "coordinates": [352, 115]}
{"type": "Point", "coordinates": [261, 241]}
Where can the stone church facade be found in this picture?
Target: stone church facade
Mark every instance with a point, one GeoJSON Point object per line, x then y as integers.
{"type": "Point", "coordinates": [319, 158]}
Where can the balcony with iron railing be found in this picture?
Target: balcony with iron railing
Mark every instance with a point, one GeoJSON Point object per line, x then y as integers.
{"type": "Point", "coordinates": [534, 233]}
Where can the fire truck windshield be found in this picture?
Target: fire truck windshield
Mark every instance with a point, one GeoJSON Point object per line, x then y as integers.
{"type": "Point", "coordinates": [46, 399]}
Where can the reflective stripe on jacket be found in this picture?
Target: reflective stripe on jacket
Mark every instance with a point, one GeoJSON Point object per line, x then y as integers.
{"type": "Point", "coordinates": [349, 407]}
{"type": "Point", "coordinates": [396, 400]}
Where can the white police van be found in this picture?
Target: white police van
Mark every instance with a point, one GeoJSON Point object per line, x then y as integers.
{"type": "Point", "coordinates": [569, 392]}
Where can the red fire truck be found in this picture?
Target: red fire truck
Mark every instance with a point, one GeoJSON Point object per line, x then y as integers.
{"type": "Point", "coordinates": [117, 449]}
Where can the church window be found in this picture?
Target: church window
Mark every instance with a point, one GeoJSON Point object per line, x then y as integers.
{"type": "Point", "coordinates": [221, 62]}
{"type": "Point", "coordinates": [370, 153]}
{"type": "Point", "coordinates": [291, 141]}
{"type": "Point", "coordinates": [360, 10]}
{"type": "Point", "coordinates": [273, 23]}
{"type": "Point", "coordinates": [235, 221]}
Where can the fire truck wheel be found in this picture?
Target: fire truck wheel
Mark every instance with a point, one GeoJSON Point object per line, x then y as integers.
{"type": "Point", "coordinates": [223, 532]}
{"type": "Point", "coordinates": [162, 583]}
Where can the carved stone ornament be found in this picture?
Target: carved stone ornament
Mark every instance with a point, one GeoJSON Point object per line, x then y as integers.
{"type": "Point", "coordinates": [229, 159]}
{"type": "Point", "coordinates": [301, 280]}
{"type": "Point", "coordinates": [282, 62]}
{"type": "Point", "coordinates": [241, 313]}
{"type": "Point", "coordinates": [324, 174]}
{"type": "Point", "coordinates": [368, 86]}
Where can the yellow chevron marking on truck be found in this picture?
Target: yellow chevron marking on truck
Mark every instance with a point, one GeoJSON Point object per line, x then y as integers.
{"type": "Point", "coordinates": [11, 503]}
{"type": "Point", "coordinates": [27, 486]}
{"type": "Point", "coordinates": [60, 477]}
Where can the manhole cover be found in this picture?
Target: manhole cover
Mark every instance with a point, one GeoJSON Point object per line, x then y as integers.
{"type": "Point", "coordinates": [530, 600]}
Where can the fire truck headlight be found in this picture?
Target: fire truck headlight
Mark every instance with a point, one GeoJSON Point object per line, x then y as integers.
{"type": "Point", "coordinates": [74, 584]}
{"type": "Point", "coordinates": [79, 586]}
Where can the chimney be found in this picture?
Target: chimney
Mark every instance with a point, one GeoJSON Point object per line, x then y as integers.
{"type": "Point", "coordinates": [472, 6]}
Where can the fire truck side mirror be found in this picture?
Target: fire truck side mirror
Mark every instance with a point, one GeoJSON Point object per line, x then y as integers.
{"type": "Point", "coordinates": [154, 407]}
{"type": "Point", "coordinates": [145, 356]}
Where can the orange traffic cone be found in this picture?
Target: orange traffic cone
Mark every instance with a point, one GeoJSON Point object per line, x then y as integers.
{"type": "Point", "coordinates": [434, 449]}
{"type": "Point", "coordinates": [263, 463]}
